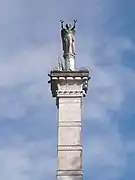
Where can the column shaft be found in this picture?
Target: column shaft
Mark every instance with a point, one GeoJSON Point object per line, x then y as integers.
{"type": "Point", "coordinates": [69, 139]}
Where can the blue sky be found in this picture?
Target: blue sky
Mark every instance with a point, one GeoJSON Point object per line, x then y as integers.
{"type": "Point", "coordinates": [29, 47]}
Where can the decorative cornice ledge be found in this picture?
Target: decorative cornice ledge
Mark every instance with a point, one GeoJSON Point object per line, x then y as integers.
{"type": "Point", "coordinates": [67, 93]}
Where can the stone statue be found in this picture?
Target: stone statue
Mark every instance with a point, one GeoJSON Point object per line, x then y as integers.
{"type": "Point", "coordinates": [68, 38]}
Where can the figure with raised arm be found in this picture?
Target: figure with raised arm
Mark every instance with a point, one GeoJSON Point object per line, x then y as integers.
{"type": "Point", "coordinates": [68, 38]}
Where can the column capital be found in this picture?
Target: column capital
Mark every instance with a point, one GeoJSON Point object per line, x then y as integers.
{"type": "Point", "coordinates": [69, 83]}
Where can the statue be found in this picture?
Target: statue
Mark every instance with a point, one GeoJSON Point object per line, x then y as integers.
{"type": "Point", "coordinates": [68, 38]}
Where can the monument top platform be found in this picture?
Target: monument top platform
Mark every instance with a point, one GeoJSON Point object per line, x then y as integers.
{"type": "Point", "coordinates": [60, 78]}
{"type": "Point", "coordinates": [64, 73]}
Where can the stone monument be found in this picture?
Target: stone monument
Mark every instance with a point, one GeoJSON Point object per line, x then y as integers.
{"type": "Point", "coordinates": [68, 44]}
{"type": "Point", "coordinates": [69, 86]}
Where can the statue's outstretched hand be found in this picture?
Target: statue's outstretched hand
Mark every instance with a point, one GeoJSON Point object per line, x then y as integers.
{"type": "Point", "coordinates": [75, 21]}
{"type": "Point", "coordinates": [61, 21]}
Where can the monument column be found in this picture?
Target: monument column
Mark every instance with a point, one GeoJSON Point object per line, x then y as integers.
{"type": "Point", "coordinates": [69, 87]}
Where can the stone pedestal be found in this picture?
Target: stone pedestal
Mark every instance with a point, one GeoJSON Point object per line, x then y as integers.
{"type": "Point", "coordinates": [69, 61]}
{"type": "Point", "coordinates": [69, 88]}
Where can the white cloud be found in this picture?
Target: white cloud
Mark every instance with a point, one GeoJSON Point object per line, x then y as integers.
{"type": "Point", "coordinates": [105, 152]}
{"type": "Point", "coordinates": [25, 160]}
{"type": "Point", "coordinates": [107, 89]}
{"type": "Point", "coordinates": [111, 82]}
{"type": "Point", "coordinates": [29, 71]}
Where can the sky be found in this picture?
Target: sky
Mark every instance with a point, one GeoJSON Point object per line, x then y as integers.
{"type": "Point", "coordinates": [29, 48]}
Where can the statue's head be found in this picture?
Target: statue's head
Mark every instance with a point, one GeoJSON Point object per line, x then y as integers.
{"type": "Point", "coordinates": [68, 26]}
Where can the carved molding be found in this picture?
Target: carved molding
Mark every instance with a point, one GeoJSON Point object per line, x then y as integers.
{"type": "Point", "coordinates": [70, 93]}
{"type": "Point", "coordinates": [77, 147]}
{"type": "Point", "coordinates": [76, 174]}
{"type": "Point", "coordinates": [69, 83]}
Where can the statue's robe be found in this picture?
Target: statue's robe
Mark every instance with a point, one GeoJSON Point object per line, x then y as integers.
{"type": "Point", "coordinates": [73, 40]}
{"type": "Point", "coordinates": [68, 42]}
{"type": "Point", "coordinates": [64, 39]}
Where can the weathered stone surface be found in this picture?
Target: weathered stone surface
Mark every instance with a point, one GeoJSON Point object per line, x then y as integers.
{"type": "Point", "coordinates": [69, 135]}
{"type": "Point", "coordinates": [69, 130]}
{"type": "Point", "coordinates": [68, 88]}
{"type": "Point", "coordinates": [70, 109]}
{"type": "Point", "coordinates": [69, 160]}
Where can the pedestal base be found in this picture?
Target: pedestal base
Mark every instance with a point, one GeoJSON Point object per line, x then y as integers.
{"type": "Point", "coordinates": [69, 61]}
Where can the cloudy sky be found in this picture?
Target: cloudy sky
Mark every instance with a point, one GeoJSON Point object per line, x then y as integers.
{"type": "Point", "coordinates": [29, 47]}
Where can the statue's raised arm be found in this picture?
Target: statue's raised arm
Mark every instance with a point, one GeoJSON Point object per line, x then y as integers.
{"type": "Point", "coordinates": [74, 25]}
{"type": "Point", "coordinates": [62, 24]}
{"type": "Point", "coordinates": [75, 22]}
{"type": "Point", "coordinates": [63, 35]}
